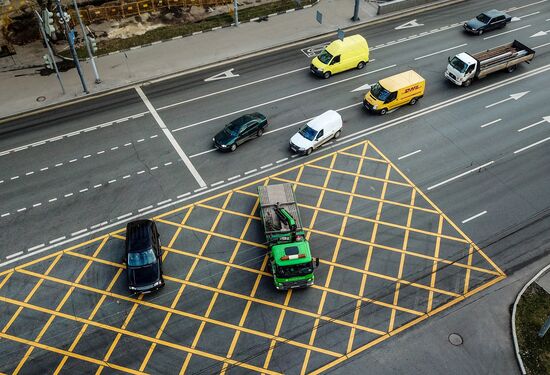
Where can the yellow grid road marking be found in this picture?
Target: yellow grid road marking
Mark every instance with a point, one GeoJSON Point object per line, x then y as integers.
{"type": "Point", "coordinates": [334, 257]}
{"type": "Point", "coordinates": [434, 266]}
{"type": "Point", "coordinates": [401, 263]}
{"type": "Point", "coordinates": [363, 157]}
{"type": "Point", "coordinates": [58, 308]}
{"type": "Point", "coordinates": [369, 256]}
{"type": "Point", "coordinates": [357, 174]}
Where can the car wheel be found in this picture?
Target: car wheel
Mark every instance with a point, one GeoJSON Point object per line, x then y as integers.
{"type": "Point", "coordinates": [337, 134]}
{"type": "Point", "coordinates": [326, 75]}
{"type": "Point", "coordinates": [361, 65]}
{"type": "Point", "coordinates": [233, 147]}
{"type": "Point", "coordinates": [260, 132]}
{"type": "Point", "coordinates": [383, 111]}
{"type": "Point", "coordinates": [480, 32]}
{"type": "Point", "coordinates": [511, 68]}
{"type": "Point", "coordinates": [413, 101]}
{"type": "Point", "coordinates": [309, 151]}
{"type": "Point", "coordinates": [467, 83]}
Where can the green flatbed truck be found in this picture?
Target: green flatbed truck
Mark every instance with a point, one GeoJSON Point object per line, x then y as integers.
{"type": "Point", "coordinates": [290, 257]}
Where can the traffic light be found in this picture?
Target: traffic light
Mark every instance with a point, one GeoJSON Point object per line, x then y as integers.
{"type": "Point", "coordinates": [93, 44]}
{"type": "Point", "coordinates": [48, 61]}
{"type": "Point", "coordinates": [48, 22]}
{"type": "Point", "coordinates": [63, 17]}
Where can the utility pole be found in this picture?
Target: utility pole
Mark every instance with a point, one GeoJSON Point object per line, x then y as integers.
{"type": "Point", "coordinates": [236, 11]}
{"type": "Point", "coordinates": [356, 11]}
{"type": "Point", "coordinates": [87, 42]}
{"type": "Point", "coordinates": [50, 52]}
{"type": "Point", "coordinates": [70, 38]}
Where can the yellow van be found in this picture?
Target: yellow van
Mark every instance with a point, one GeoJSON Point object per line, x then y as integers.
{"type": "Point", "coordinates": [395, 91]}
{"type": "Point", "coordinates": [340, 55]}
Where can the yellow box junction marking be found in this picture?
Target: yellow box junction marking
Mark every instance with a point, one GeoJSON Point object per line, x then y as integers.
{"type": "Point", "coordinates": [372, 187]}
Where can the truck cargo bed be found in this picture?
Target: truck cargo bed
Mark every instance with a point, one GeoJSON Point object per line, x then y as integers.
{"type": "Point", "coordinates": [273, 196]}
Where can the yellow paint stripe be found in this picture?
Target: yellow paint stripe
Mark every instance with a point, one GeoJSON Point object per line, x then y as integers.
{"type": "Point", "coordinates": [401, 263]}
{"type": "Point", "coordinates": [362, 157]}
{"type": "Point", "coordinates": [85, 326]}
{"type": "Point", "coordinates": [197, 317]}
{"type": "Point", "coordinates": [357, 174]}
{"type": "Point", "coordinates": [334, 258]}
{"type": "Point", "coordinates": [122, 331]}
{"type": "Point", "coordinates": [67, 353]}
{"type": "Point", "coordinates": [393, 225]}
{"type": "Point", "coordinates": [31, 293]}
{"type": "Point", "coordinates": [374, 199]}
{"type": "Point", "coordinates": [434, 266]}
{"type": "Point", "coordinates": [467, 277]}
{"type": "Point", "coordinates": [441, 213]}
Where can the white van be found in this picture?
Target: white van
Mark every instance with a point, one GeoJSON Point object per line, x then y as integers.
{"type": "Point", "coordinates": [316, 132]}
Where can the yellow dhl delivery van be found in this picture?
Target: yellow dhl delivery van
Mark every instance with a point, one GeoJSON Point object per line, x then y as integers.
{"type": "Point", "coordinates": [340, 55]}
{"type": "Point", "coordinates": [395, 91]}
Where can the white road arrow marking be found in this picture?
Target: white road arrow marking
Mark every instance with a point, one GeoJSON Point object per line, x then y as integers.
{"type": "Point", "coordinates": [512, 96]}
{"type": "Point", "coordinates": [362, 88]}
{"type": "Point", "coordinates": [540, 33]}
{"type": "Point", "coordinates": [409, 24]}
{"type": "Point", "coordinates": [544, 119]}
{"type": "Point", "coordinates": [223, 75]}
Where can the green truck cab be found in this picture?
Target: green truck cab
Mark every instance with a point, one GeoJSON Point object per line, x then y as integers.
{"type": "Point", "coordinates": [290, 257]}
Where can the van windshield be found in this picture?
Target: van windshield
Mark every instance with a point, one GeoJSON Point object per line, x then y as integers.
{"type": "Point", "coordinates": [458, 64]}
{"type": "Point", "coordinates": [379, 92]}
{"type": "Point", "coordinates": [325, 57]}
{"type": "Point", "coordinates": [308, 133]}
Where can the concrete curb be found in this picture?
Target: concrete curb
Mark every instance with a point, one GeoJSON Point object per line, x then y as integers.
{"type": "Point", "coordinates": [237, 57]}
{"type": "Point", "coordinates": [514, 308]}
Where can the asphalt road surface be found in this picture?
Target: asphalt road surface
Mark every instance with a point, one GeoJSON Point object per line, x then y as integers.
{"type": "Point", "coordinates": [479, 153]}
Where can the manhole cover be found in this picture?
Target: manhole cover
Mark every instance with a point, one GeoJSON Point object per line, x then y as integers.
{"type": "Point", "coordinates": [455, 339]}
{"type": "Point", "coordinates": [40, 98]}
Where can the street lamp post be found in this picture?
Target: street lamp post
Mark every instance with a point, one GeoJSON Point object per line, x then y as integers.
{"type": "Point", "coordinates": [87, 42]}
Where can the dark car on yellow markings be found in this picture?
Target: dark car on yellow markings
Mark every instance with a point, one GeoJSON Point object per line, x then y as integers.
{"type": "Point", "coordinates": [143, 256]}
{"type": "Point", "coordinates": [240, 130]}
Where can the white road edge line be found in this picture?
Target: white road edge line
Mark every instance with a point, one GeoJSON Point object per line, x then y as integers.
{"type": "Point", "coordinates": [461, 175]}
{"type": "Point", "coordinates": [474, 217]}
{"type": "Point", "coordinates": [409, 154]}
{"type": "Point", "coordinates": [170, 137]}
{"type": "Point", "coordinates": [14, 255]}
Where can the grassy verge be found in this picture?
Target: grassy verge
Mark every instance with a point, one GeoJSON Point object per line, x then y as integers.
{"type": "Point", "coordinates": [170, 31]}
{"type": "Point", "coordinates": [533, 310]}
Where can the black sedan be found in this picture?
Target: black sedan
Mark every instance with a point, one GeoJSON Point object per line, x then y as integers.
{"type": "Point", "coordinates": [490, 20]}
{"type": "Point", "coordinates": [239, 131]}
{"type": "Point", "coordinates": [143, 256]}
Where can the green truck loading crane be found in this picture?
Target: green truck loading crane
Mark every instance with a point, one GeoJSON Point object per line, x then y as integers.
{"type": "Point", "coordinates": [290, 257]}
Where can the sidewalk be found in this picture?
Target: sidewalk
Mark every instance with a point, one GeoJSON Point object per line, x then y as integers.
{"type": "Point", "coordinates": [26, 90]}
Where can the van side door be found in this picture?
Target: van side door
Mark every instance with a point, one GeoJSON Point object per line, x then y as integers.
{"type": "Point", "coordinates": [336, 64]}
{"type": "Point", "coordinates": [390, 101]}
{"type": "Point", "coordinates": [320, 138]}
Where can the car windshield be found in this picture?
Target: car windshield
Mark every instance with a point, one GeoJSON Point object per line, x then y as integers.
{"type": "Point", "coordinates": [379, 92]}
{"type": "Point", "coordinates": [308, 133]}
{"type": "Point", "coordinates": [483, 18]}
{"type": "Point", "coordinates": [325, 57]}
{"type": "Point", "coordinates": [458, 64]}
{"type": "Point", "coordinates": [295, 270]}
{"type": "Point", "coordinates": [141, 259]}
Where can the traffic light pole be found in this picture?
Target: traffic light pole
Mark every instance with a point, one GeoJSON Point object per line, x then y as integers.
{"type": "Point", "coordinates": [50, 52]}
{"type": "Point", "coordinates": [70, 38]}
{"type": "Point", "coordinates": [87, 42]}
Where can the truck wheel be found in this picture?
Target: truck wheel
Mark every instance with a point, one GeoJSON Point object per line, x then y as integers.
{"type": "Point", "coordinates": [233, 147]}
{"type": "Point", "coordinates": [467, 83]}
{"type": "Point", "coordinates": [413, 101]}
{"type": "Point", "coordinates": [309, 151]}
{"type": "Point", "coordinates": [383, 111]}
{"type": "Point", "coordinates": [361, 65]}
{"type": "Point", "coordinates": [260, 132]}
{"type": "Point", "coordinates": [337, 134]}
{"type": "Point", "coordinates": [511, 68]}
{"type": "Point", "coordinates": [326, 75]}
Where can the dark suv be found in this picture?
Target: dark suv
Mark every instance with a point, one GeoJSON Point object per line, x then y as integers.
{"type": "Point", "coordinates": [490, 20]}
{"type": "Point", "coordinates": [143, 256]}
